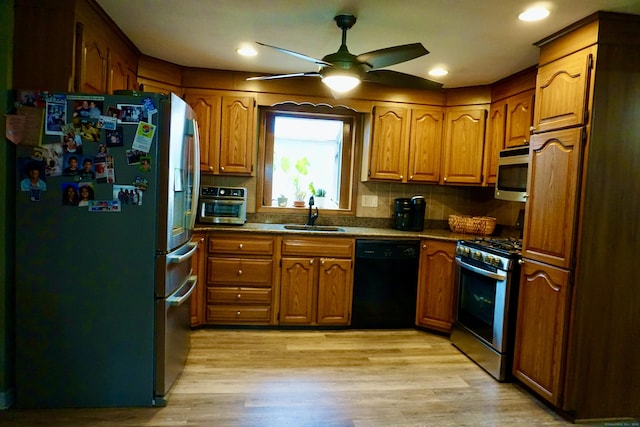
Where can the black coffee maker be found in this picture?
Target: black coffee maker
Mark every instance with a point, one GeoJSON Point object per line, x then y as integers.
{"type": "Point", "coordinates": [409, 213]}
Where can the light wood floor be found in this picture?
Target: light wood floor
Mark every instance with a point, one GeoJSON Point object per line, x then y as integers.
{"type": "Point", "coordinates": [321, 378]}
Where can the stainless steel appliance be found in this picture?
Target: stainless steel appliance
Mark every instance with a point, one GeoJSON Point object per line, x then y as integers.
{"type": "Point", "coordinates": [511, 178]}
{"type": "Point", "coordinates": [385, 283]}
{"type": "Point", "coordinates": [487, 271]}
{"type": "Point", "coordinates": [223, 205]}
{"type": "Point", "coordinates": [409, 213]}
{"type": "Point", "coordinates": [102, 293]}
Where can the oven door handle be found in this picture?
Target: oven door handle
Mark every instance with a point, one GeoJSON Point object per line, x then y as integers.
{"type": "Point", "coordinates": [480, 271]}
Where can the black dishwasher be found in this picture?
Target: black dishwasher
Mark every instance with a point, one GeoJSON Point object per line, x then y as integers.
{"type": "Point", "coordinates": [385, 284]}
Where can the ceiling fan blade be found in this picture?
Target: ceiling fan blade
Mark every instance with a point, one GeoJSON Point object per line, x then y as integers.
{"type": "Point", "coordinates": [397, 79]}
{"type": "Point", "coordinates": [392, 55]}
{"type": "Point", "coordinates": [298, 55]}
{"type": "Point", "coordinates": [284, 76]}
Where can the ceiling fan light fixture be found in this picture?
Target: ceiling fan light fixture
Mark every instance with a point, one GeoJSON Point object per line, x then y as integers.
{"type": "Point", "coordinates": [341, 82]}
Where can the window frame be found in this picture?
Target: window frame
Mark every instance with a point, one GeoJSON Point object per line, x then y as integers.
{"type": "Point", "coordinates": [352, 134]}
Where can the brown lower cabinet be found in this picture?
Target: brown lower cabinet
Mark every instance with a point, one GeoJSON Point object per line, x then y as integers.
{"type": "Point", "coordinates": [316, 281]}
{"type": "Point", "coordinates": [436, 285]}
{"type": "Point", "coordinates": [541, 331]}
{"type": "Point", "coordinates": [240, 277]}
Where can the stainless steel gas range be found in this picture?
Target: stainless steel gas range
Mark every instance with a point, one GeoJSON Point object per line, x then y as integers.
{"type": "Point", "coordinates": [487, 272]}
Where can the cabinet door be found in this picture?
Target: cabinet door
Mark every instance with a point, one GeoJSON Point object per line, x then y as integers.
{"type": "Point", "coordinates": [435, 285]}
{"type": "Point", "coordinates": [118, 77]}
{"type": "Point", "coordinates": [541, 329]}
{"type": "Point", "coordinates": [198, 269]}
{"type": "Point", "coordinates": [388, 144]}
{"type": "Point", "coordinates": [562, 91]}
{"type": "Point", "coordinates": [425, 143]}
{"type": "Point", "coordinates": [519, 119]}
{"type": "Point", "coordinates": [297, 284]}
{"type": "Point", "coordinates": [334, 291]}
{"type": "Point", "coordinates": [495, 140]}
{"type": "Point", "coordinates": [553, 189]}
{"type": "Point", "coordinates": [237, 130]}
{"type": "Point", "coordinates": [92, 67]}
{"type": "Point", "coordinates": [207, 109]}
{"type": "Point", "coordinates": [464, 145]}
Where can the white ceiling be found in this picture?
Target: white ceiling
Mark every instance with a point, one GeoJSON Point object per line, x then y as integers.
{"type": "Point", "coordinates": [478, 41]}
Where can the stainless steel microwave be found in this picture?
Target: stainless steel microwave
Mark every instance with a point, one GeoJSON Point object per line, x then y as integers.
{"type": "Point", "coordinates": [511, 178]}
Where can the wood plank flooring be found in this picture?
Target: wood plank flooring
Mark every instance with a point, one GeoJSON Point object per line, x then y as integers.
{"type": "Point", "coordinates": [320, 378]}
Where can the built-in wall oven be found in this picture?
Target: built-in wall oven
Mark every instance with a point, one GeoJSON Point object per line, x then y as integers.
{"type": "Point", "coordinates": [487, 273]}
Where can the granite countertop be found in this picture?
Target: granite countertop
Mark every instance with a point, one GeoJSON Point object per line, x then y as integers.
{"type": "Point", "coordinates": [359, 232]}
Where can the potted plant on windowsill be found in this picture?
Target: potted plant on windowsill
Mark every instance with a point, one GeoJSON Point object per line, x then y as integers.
{"type": "Point", "coordinates": [318, 195]}
{"type": "Point", "coordinates": [301, 167]}
{"type": "Point", "coordinates": [282, 201]}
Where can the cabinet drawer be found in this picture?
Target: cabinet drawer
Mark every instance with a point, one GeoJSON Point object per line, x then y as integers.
{"type": "Point", "coordinates": [327, 247]}
{"type": "Point", "coordinates": [239, 270]}
{"type": "Point", "coordinates": [239, 295]}
{"type": "Point", "coordinates": [238, 314]}
{"type": "Point", "coordinates": [240, 245]}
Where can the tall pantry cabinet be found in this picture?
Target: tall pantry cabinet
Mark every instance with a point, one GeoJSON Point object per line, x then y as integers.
{"type": "Point", "coordinates": [578, 312]}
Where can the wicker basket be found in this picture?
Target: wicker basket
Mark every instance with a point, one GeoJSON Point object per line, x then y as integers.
{"type": "Point", "coordinates": [483, 225]}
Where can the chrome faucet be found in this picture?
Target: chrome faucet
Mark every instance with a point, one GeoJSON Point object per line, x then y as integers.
{"type": "Point", "coordinates": [311, 219]}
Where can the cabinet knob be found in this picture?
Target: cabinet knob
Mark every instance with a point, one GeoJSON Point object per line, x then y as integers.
{"type": "Point", "coordinates": [424, 246]}
{"type": "Point", "coordinates": [526, 196]}
{"type": "Point", "coordinates": [238, 296]}
{"type": "Point", "coordinates": [410, 177]}
{"type": "Point", "coordinates": [240, 246]}
{"type": "Point", "coordinates": [237, 313]}
{"type": "Point", "coordinates": [222, 168]}
{"type": "Point", "coordinates": [521, 261]}
{"type": "Point", "coordinates": [525, 141]}
{"type": "Point", "coordinates": [401, 176]}
{"type": "Point", "coordinates": [444, 179]}
{"type": "Point", "coordinates": [210, 168]}
{"type": "Point", "coordinates": [239, 272]}
{"type": "Point", "coordinates": [322, 262]}
{"type": "Point", "coordinates": [311, 261]}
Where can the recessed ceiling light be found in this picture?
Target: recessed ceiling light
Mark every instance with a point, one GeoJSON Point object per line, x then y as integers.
{"type": "Point", "coordinates": [438, 72]}
{"type": "Point", "coordinates": [246, 51]}
{"type": "Point", "coordinates": [534, 14]}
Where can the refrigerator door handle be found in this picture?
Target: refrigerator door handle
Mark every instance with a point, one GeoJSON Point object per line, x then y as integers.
{"type": "Point", "coordinates": [195, 190]}
{"type": "Point", "coordinates": [177, 259]}
{"type": "Point", "coordinates": [175, 300]}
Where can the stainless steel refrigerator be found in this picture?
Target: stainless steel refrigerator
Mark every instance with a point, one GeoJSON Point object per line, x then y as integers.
{"type": "Point", "coordinates": [103, 276]}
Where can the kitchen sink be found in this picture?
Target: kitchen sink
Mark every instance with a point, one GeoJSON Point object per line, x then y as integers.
{"type": "Point", "coordinates": [312, 227]}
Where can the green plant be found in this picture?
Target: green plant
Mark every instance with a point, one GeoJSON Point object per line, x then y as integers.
{"type": "Point", "coordinates": [320, 192]}
{"type": "Point", "coordinates": [301, 167]}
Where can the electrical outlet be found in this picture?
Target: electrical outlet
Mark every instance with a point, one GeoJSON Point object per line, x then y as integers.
{"type": "Point", "coordinates": [369, 201]}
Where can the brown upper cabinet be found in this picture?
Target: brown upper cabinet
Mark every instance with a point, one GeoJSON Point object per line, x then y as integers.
{"type": "Point", "coordinates": [463, 146]}
{"type": "Point", "coordinates": [562, 91]}
{"type": "Point", "coordinates": [406, 144]}
{"type": "Point", "coordinates": [90, 53]}
{"type": "Point", "coordinates": [226, 125]}
{"type": "Point", "coordinates": [519, 119]}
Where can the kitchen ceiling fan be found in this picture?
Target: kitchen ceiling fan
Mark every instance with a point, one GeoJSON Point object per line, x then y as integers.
{"type": "Point", "coordinates": [342, 71]}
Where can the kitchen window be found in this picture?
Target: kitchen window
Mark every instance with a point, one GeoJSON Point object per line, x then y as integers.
{"type": "Point", "coordinates": [307, 151]}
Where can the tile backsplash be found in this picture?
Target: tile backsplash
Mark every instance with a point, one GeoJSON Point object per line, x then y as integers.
{"type": "Point", "coordinates": [442, 201]}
